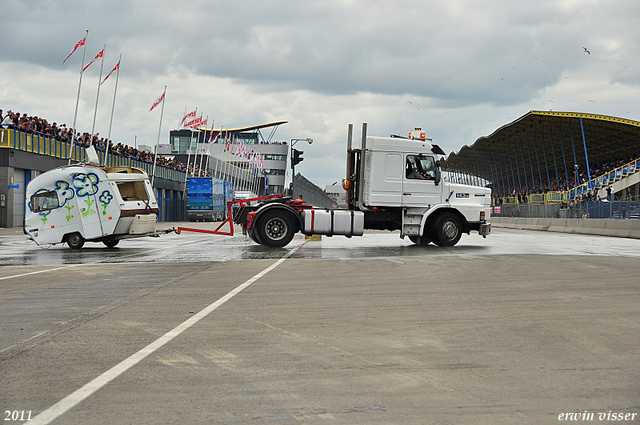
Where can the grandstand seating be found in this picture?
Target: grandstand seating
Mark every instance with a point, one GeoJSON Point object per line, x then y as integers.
{"type": "Point", "coordinates": [619, 175]}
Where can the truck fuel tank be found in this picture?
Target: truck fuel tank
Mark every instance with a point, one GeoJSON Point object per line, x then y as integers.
{"type": "Point", "coordinates": [333, 222]}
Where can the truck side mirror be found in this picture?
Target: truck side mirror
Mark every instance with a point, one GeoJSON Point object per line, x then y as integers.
{"type": "Point", "coordinates": [438, 176]}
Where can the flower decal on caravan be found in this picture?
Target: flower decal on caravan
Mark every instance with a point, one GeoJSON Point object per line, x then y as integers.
{"type": "Point", "coordinates": [65, 193]}
{"type": "Point", "coordinates": [105, 199]}
{"type": "Point", "coordinates": [86, 184]}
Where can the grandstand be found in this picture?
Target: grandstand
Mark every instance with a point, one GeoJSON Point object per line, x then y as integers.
{"type": "Point", "coordinates": [554, 158]}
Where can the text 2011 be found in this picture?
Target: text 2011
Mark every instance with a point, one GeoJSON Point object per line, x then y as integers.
{"type": "Point", "coordinates": [17, 415]}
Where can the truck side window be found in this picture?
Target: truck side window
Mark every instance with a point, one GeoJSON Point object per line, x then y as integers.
{"type": "Point", "coordinates": [420, 167]}
{"type": "Point", "coordinates": [44, 201]}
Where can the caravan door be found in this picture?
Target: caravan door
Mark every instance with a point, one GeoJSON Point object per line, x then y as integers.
{"type": "Point", "coordinates": [86, 187]}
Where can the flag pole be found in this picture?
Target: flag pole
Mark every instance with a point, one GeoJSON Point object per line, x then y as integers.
{"type": "Point", "coordinates": [189, 151]}
{"type": "Point", "coordinates": [95, 110]}
{"type": "Point", "coordinates": [202, 156]}
{"type": "Point", "coordinates": [75, 115]}
{"type": "Point", "coordinates": [155, 157]}
{"type": "Point", "coordinates": [113, 106]}
{"type": "Point", "coordinates": [195, 157]}
{"type": "Point", "coordinates": [209, 150]}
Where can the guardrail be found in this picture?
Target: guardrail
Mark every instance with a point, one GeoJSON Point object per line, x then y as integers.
{"type": "Point", "coordinates": [43, 144]}
{"type": "Point", "coordinates": [622, 210]}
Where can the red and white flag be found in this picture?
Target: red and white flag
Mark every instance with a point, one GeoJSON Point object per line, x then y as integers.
{"type": "Point", "coordinates": [98, 56]}
{"type": "Point", "coordinates": [211, 138]}
{"type": "Point", "coordinates": [189, 115]}
{"type": "Point", "coordinates": [117, 67]}
{"type": "Point", "coordinates": [78, 44]}
{"type": "Point", "coordinates": [157, 102]}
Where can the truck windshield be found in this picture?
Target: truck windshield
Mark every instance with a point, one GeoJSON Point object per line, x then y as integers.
{"type": "Point", "coordinates": [420, 167]}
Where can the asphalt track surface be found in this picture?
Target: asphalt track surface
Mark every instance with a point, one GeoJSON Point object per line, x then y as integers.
{"type": "Point", "coordinates": [521, 327]}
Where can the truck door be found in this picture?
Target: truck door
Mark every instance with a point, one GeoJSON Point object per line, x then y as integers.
{"type": "Point", "coordinates": [418, 185]}
{"type": "Point", "coordinates": [86, 187]}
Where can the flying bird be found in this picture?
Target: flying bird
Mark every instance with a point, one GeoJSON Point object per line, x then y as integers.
{"type": "Point", "coordinates": [586, 51]}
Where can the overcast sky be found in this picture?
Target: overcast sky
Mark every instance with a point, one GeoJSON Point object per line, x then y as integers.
{"type": "Point", "coordinates": [459, 69]}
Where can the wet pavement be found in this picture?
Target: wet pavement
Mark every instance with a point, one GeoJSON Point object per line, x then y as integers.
{"type": "Point", "coordinates": [520, 327]}
{"type": "Point", "coordinates": [17, 250]}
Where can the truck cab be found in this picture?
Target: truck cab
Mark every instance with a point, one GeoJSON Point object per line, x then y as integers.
{"type": "Point", "coordinates": [398, 184]}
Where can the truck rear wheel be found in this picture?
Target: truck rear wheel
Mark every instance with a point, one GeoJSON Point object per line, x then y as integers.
{"type": "Point", "coordinates": [275, 228]}
{"type": "Point", "coordinates": [253, 234]}
{"type": "Point", "coordinates": [446, 230]}
{"type": "Point", "coordinates": [75, 241]}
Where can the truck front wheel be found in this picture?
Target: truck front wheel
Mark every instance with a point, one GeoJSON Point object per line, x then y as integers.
{"type": "Point", "coordinates": [420, 240]}
{"type": "Point", "coordinates": [446, 230]}
{"type": "Point", "coordinates": [275, 229]}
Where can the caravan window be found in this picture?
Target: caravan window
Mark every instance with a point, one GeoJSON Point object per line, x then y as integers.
{"type": "Point", "coordinates": [44, 201]}
{"type": "Point", "coordinates": [133, 191]}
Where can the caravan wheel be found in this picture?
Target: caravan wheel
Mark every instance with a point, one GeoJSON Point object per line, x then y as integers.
{"type": "Point", "coordinates": [110, 243]}
{"type": "Point", "coordinates": [75, 241]}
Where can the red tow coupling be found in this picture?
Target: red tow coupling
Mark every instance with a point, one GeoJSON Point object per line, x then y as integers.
{"type": "Point", "coordinates": [229, 219]}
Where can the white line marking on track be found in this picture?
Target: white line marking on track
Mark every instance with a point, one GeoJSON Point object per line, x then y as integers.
{"type": "Point", "coordinates": [26, 340]}
{"type": "Point", "coordinates": [38, 272]}
{"type": "Point", "coordinates": [90, 264]}
{"type": "Point", "coordinates": [96, 384]}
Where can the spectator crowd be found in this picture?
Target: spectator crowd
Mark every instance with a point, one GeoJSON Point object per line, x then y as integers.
{"type": "Point", "coordinates": [561, 184]}
{"type": "Point", "coordinates": [37, 125]}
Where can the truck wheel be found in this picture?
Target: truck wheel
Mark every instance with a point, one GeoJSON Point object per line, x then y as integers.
{"type": "Point", "coordinates": [253, 234]}
{"type": "Point", "coordinates": [75, 241]}
{"type": "Point", "coordinates": [110, 243]}
{"type": "Point", "coordinates": [420, 240]}
{"type": "Point", "coordinates": [275, 229]}
{"type": "Point", "coordinates": [446, 230]}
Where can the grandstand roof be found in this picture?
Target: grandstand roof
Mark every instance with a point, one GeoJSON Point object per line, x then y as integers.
{"type": "Point", "coordinates": [539, 137]}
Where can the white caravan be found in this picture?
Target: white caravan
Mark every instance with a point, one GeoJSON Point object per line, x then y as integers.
{"type": "Point", "coordinates": [82, 202]}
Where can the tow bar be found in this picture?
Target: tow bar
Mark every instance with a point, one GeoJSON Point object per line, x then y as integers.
{"type": "Point", "coordinates": [230, 232]}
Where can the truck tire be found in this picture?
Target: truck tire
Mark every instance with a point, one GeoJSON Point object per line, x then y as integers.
{"type": "Point", "coordinates": [75, 240]}
{"type": "Point", "coordinates": [420, 240]}
{"type": "Point", "coordinates": [275, 228]}
{"type": "Point", "coordinates": [253, 234]}
{"type": "Point", "coordinates": [446, 230]}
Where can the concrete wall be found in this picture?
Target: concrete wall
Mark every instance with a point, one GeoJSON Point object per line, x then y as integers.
{"type": "Point", "coordinates": [589, 226]}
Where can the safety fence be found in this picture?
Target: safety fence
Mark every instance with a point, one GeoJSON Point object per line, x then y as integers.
{"type": "Point", "coordinates": [623, 210]}
{"type": "Point", "coordinates": [44, 144]}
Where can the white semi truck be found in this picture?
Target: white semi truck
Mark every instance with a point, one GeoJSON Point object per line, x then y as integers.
{"type": "Point", "coordinates": [393, 183]}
